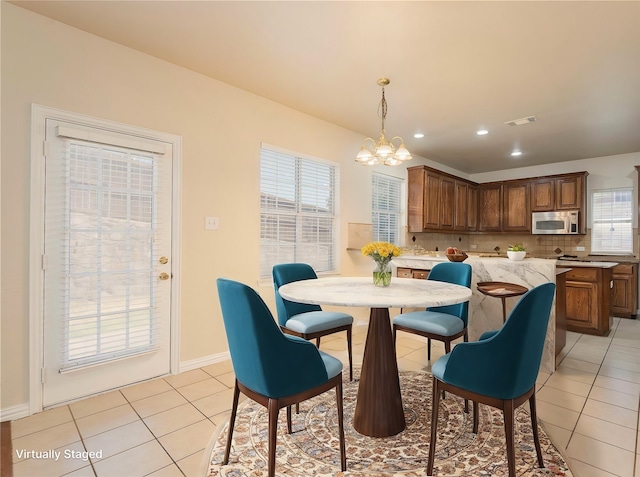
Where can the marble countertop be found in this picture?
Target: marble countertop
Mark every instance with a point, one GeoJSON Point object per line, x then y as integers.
{"type": "Point", "coordinates": [579, 264]}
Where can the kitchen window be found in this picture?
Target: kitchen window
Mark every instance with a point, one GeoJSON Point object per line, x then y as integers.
{"type": "Point", "coordinates": [612, 221]}
{"type": "Point", "coordinates": [298, 204]}
{"type": "Point", "coordinates": [386, 208]}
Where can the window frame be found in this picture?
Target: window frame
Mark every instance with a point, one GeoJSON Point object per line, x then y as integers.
{"type": "Point", "coordinates": [597, 209]}
{"type": "Point", "coordinates": [387, 181]}
{"type": "Point", "coordinates": [297, 213]}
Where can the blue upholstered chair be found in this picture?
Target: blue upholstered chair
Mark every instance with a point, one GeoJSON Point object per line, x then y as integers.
{"type": "Point", "coordinates": [271, 368]}
{"type": "Point", "coordinates": [499, 370]}
{"type": "Point", "coordinates": [442, 323]}
{"type": "Point", "coordinates": [303, 320]}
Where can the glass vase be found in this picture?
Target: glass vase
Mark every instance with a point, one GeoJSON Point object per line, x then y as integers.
{"type": "Point", "coordinates": [382, 274]}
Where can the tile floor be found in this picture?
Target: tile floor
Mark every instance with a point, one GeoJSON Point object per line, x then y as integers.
{"type": "Point", "coordinates": [160, 428]}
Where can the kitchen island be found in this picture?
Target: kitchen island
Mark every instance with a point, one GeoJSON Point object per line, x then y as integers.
{"type": "Point", "coordinates": [485, 312]}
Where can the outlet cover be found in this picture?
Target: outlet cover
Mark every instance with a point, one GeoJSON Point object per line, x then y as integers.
{"type": "Point", "coordinates": [473, 246]}
{"type": "Point", "coordinates": [579, 249]}
{"type": "Point", "coordinates": [211, 223]}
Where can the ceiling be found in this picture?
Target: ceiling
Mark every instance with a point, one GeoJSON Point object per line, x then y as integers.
{"type": "Point", "coordinates": [455, 67]}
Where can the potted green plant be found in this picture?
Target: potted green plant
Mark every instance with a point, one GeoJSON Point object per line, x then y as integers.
{"type": "Point", "coordinates": [516, 252]}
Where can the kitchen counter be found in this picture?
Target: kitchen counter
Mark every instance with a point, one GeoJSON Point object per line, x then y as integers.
{"type": "Point", "coordinates": [581, 264]}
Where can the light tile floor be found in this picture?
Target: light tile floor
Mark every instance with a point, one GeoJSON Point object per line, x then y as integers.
{"type": "Point", "coordinates": [589, 408]}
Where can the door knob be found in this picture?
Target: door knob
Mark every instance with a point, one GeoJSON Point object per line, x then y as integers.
{"type": "Point", "coordinates": [163, 260]}
{"type": "Point", "coordinates": [163, 276]}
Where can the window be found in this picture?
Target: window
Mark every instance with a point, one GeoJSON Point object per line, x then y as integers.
{"type": "Point", "coordinates": [386, 208]}
{"type": "Point", "coordinates": [612, 214]}
{"type": "Point", "coordinates": [297, 211]}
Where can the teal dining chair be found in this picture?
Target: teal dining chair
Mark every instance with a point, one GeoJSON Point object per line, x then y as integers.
{"type": "Point", "coordinates": [308, 321]}
{"type": "Point", "coordinates": [442, 323]}
{"type": "Point", "coordinates": [273, 369]}
{"type": "Point", "coordinates": [499, 370]}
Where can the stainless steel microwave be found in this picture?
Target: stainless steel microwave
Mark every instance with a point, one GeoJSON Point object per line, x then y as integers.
{"type": "Point", "coordinates": [562, 222]}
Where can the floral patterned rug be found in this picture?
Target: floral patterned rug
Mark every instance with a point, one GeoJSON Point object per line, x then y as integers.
{"type": "Point", "coordinates": [312, 448]}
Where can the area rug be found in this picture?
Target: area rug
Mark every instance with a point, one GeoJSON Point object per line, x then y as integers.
{"type": "Point", "coordinates": [312, 449]}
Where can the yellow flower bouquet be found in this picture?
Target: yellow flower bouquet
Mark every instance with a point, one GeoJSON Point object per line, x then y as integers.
{"type": "Point", "coordinates": [381, 253]}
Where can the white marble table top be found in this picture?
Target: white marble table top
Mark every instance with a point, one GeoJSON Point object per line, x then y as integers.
{"type": "Point", "coordinates": [360, 291]}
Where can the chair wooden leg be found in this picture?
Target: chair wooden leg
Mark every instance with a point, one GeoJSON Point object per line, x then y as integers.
{"type": "Point", "coordinates": [435, 404]}
{"type": "Point", "coordinates": [476, 405]}
{"type": "Point", "coordinates": [534, 426]}
{"type": "Point", "coordinates": [508, 412]}
{"type": "Point", "coordinates": [343, 452]}
{"type": "Point", "coordinates": [350, 353]}
{"type": "Point", "coordinates": [318, 342]}
{"type": "Point", "coordinates": [297, 408]}
{"type": "Point", "coordinates": [273, 432]}
{"type": "Point", "coordinates": [428, 349]}
{"type": "Point", "coordinates": [232, 422]}
{"type": "Point", "coordinates": [289, 427]}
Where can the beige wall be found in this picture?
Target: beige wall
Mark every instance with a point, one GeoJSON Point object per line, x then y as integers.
{"type": "Point", "coordinates": [48, 63]}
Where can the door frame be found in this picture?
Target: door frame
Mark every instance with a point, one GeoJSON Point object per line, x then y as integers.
{"type": "Point", "coordinates": [36, 236]}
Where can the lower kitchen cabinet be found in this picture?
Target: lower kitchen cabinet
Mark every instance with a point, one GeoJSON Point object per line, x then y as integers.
{"type": "Point", "coordinates": [624, 293]}
{"type": "Point", "coordinates": [413, 273]}
{"type": "Point", "coordinates": [588, 300]}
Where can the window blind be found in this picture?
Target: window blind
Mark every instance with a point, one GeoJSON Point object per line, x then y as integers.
{"type": "Point", "coordinates": [612, 221]}
{"type": "Point", "coordinates": [100, 250]}
{"type": "Point", "coordinates": [297, 211]}
{"type": "Point", "coordinates": [386, 208]}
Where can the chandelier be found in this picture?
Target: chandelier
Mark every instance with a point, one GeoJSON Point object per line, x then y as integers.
{"type": "Point", "coordinates": [383, 152]}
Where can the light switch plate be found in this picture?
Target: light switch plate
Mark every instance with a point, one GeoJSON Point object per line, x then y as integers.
{"type": "Point", "coordinates": [211, 223]}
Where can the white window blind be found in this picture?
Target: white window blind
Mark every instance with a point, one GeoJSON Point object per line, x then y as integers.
{"type": "Point", "coordinates": [100, 248]}
{"type": "Point", "coordinates": [386, 208]}
{"type": "Point", "coordinates": [297, 211]}
{"type": "Point", "coordinates": [612, 216]}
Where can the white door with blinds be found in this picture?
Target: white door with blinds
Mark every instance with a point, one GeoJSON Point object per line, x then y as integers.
{"type": "Point", "coordinates": [106, 260]}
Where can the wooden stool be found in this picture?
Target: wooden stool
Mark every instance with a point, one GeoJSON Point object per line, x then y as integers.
{"type": "Point", "coordinates": [501, 290]}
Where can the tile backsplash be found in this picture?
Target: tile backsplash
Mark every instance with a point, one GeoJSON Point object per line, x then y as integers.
{"type": "Point", "coordinates": [536, 245]}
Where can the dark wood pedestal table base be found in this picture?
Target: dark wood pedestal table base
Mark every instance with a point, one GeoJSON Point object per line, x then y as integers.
{"type": "Point", "coordinates": [379, 411]}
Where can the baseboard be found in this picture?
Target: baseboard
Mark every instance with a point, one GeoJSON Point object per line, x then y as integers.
{"type": "Point", "coordinates": [204, 361]}
{"type": "Point", "coordinates": [14, 412]}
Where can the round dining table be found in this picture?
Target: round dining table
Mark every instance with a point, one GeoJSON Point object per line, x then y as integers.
{"type": "Point", "coordinates": [379, 411]}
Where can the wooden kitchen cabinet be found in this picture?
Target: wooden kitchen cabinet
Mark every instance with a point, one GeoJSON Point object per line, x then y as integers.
{"type": "Point", "coordinates": [490, 207]}
{"type": "Point", "coordinates": [436, 201]}
{"type": "Point", "coordinates": [472, 208]}
{"type": "Point", "coordinates": [461, 208]}
{"type": "Point", "coordinates": [570, 192]}
{"type": "Point", "coordinates": [516, 209]}
{"type": "Point", "coordinates": [447, 203]}
{"type": "Point", "coordinates": [624, 293]}
{"type": "Point", "coordinates": [543, 198]}
{"type": "Point", "coordinates": [588, 300]}
{"type": "Point", "coordinates": [412, 273]}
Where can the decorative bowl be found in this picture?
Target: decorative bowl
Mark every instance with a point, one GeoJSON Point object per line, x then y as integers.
{"type": "Point", "coordinates": [513, 255]}
{"type": "Point", "coordinates": [457, 257]}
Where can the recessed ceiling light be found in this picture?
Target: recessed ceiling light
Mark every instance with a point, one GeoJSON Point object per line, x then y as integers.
{"type": "Point", "coordinates": [482, 132]}
{"type": "Point", "coordinates": [516, 153]}
{"type": "Point", "coordinates": [418, 135]}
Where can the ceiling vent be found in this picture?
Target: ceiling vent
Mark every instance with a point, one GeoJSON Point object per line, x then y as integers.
{"type": "Point", "coordinates": [521, 121]}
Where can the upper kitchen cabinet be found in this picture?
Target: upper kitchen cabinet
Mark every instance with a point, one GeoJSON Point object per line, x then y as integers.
{"type": "Point", "coordinates": [490, 207]}
{"type": "Point", "coordinates": [516, 209]}
{"type": "Point", "coordinates": [560, 192]}
{"type": "Point", "coordinates": [472, 208]}
{"type": "Point", "coordinates": [437, 201]}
